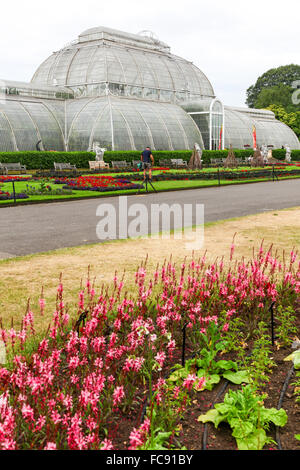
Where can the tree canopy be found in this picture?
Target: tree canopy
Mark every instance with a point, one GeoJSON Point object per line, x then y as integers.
{"type": "Point", "coordinates": [290, 119]}
{"type": "Point", "coordinates": [274, 90]}
{"type": "Point", "coordinates": [279, 95]}
{"type": "Point", "coordinates": [280, 81]}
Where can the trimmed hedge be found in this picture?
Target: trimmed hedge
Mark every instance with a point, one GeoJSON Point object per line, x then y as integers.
{"type": "Point", "coordinates": [45, 160]}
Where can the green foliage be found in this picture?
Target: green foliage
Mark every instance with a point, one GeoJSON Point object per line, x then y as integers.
{"type": "Point", "coordinates": [259, 363]}
{"type": "Point", "coordinates": [295, 357]}
{"type": "Point", "coordinates": [279, 95]}
{"type": "Point", "coordinates": [245, 413]}
{"type": "Point", "coordinates": [45, 160]}
{"type": "Point", "coordinates": [273, 90]}
{"type": "Point", "coordinates": [276, 77]}
{"type": "Point", "coordinates": [207, 367]}
{"type": "Point", "coordinates": [157, 441]}
{"type": "Point", "coordinates": [291, 119]}
{"type": "Point", "coordinates": [296, 383]}
{"type": "Point", "coordinates": [45, 189]}
{"type": "Point", "coordinates": [287, 328]}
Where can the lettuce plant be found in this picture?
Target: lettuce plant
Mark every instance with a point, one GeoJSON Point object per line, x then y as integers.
{"type": "Point", "coordinates": [249, 420]}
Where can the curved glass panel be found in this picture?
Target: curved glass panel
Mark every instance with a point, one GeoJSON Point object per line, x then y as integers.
{"type": "Point", "coordinates": [217, 107]}
{"type": "Point", "coordinates": [24, 123]}
{"type": "Point", "coordinates": [7, 139]}
{"type": "Point", "coordinates": [128, 124]}
{"type": "Point", "coordinates": [203, 123]}
{"type": "Point", "coordinates": [269, 131]}
{"type": "Point", "coordinates": [102, 131]}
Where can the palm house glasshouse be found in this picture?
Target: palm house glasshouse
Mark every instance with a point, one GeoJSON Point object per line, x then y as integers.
{"type": "Point", "coordinates": [125, 91]}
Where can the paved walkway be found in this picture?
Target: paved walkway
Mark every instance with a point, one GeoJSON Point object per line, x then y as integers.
{"type": "Point", "coordinates": [42, 227]}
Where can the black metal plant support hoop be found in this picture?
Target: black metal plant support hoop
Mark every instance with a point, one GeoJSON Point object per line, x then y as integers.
{"type": "Point", "coordinates": [183, 344]}
{"type": "Point", "coordinates": [271, 309]}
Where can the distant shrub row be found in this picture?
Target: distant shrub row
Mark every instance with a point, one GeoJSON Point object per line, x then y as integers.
{"type": "Point", "coordinates": [45, 160]}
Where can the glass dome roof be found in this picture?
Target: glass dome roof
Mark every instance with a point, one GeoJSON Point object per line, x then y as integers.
{"type": "Point", "coordinates": [110, 56]}
{"type": "Point", "coordinates": [125, 91]}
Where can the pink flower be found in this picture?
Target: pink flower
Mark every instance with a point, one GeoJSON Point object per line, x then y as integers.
{"type": "Point", "coordinates": [118, 395]}
{"type": "Point", "coordinates": [200, 383]}
{"type": "Point", "coordinates": [40, 423]}
{"type": "Point", "coordinates": [98, 344]}
{"type": "Point", "coordinates": [136, 439]}
{"type": "Point", "coordinates": [81, 300]}
{"type": "Point", "coordinates": [73, 362]}
{"type": "Point", "coordinates": [42, 303]}
{"type": "Point", "coordinates": [189, 381]}
{"type": "Point", "coordinates": [160, 358]}
{"type": "Point", "coordinates": [50, 446]}
{"type": "Point", "coordinates": [27, 412]}
{"type": "Point", "coordinates": [106, 445]}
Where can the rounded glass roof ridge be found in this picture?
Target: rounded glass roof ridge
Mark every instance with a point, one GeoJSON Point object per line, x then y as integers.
{"type": "Point", "coordinates": [105, 55]}
{"type": "Point", "coordinates": [103, 32]}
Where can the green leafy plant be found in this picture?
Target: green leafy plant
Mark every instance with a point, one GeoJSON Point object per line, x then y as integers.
{"type": "Point", "coordinates": [244, 412]}
{"type": "Point", "coordinates": [207, 366]}
{"type": "Point", "coordinates": [295, 357]}
{"type": "Point", "coordinates": [157, 440]}
{"type": "Point", "coordinates": [260, 362]}
{"type": "Point", "coordinates": [286, 329]}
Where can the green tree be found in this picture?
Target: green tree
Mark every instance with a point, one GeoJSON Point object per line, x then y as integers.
{"type": "Point", "coordinates": [279, 95]}
{"type": "Point", "coordinates": [280, 76]}
{"type": "Point", "coordinates": [290, 119]}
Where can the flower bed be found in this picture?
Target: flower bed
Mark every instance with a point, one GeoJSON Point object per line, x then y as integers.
{"type": "Point", "coordinates": [123, 372]}
{"type": "Point", "coordinates": [97, 183]}
{"type": "Point", "coordinates": [6, 196]}
{"type": "Point", "coordinates": [11, 179]}
{"type": "Point", "coordinates": [223, 174]}
{"type": "Point", "coordinates": [46, 190]}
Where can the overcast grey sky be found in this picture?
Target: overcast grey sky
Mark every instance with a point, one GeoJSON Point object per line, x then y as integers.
{"type": "Point", "coordinates": [232, 42]}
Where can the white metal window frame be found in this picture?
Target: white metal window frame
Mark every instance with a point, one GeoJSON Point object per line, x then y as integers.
{"type": "Point", "coordinates": [210, 112]}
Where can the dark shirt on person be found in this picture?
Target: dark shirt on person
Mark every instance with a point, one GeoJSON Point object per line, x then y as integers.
{"type": "Point", "coordinates": [146, 156]}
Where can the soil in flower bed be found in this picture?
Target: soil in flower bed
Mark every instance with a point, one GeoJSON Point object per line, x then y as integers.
{"type": "Point", "coordinates": [194, 436]}
{"type": "Point", "coordinates": [220, 438]}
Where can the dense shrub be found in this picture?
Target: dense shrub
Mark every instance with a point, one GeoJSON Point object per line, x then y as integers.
{"type": "Point", "coordinates": [45, 160]}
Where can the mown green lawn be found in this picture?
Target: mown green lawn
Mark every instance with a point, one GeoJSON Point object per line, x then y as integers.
{"type": "Point", "coordinates": [22, 186]}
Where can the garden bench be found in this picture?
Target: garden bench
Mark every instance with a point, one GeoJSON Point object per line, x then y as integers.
{"type": "Point", "coordinates": [64, 167]}
{"type": "Point", "coordinates": [6, 167]}
{"type": "Point", "coordinates": [215, 161]}
{"type": "Point", "coordinates": [178, 162]}
{"type": "Point", "coordinates": [120, 164]}
{"type": "Point", "coordinates": [98, 165]}
{"type": "Point", "coordinates": [164, 163]}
